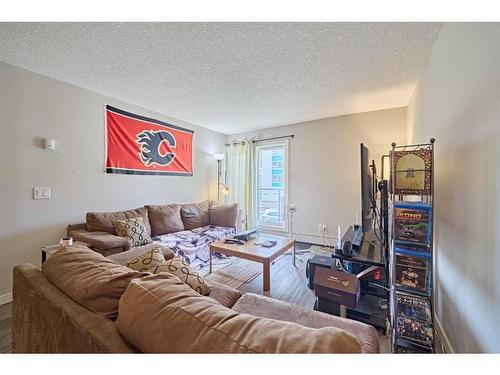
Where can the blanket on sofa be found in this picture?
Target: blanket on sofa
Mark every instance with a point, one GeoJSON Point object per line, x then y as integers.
{"type": "Point", "coordinates": [193, 245]}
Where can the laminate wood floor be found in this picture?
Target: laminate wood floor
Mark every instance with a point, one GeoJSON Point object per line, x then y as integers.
{"type": "Point", "coordinates": [5, 330]}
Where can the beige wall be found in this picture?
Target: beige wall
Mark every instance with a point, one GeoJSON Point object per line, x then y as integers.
{"type": "Point", "coordinates": [457, 101]}
{"type": "Point", "coordinates": [325, 165]}
{"type": "Point", "coordinates": [33, 107]}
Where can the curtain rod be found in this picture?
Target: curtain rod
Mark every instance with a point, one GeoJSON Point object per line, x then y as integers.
{"type": "Point", "coordinates": [261, 140]}
{"type": "Point", "coordinates": [270, 139]}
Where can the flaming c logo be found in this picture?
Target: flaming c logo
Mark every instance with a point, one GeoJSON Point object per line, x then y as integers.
{"type": "Point", "coordinates": [150, 142]}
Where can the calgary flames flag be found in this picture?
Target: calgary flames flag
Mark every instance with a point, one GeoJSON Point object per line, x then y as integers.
{"type": "Point", "coordinates": [141, 145]}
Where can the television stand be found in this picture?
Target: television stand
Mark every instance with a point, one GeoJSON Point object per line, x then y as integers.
{"type": "Point", "coordinates": [370, 252]}
{"type": "Point", "coordinates": [368, 262]}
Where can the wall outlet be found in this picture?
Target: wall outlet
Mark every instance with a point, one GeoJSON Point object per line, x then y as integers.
{"type": "Point", "coordinates": [322, 228]}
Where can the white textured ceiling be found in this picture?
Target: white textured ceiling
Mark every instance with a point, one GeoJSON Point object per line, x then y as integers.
{"type": "Point", "coordinates": [231, 77]}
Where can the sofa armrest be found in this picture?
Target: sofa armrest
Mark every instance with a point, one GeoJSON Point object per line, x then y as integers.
{"type": "Point", "coordinates": [272, 308]}
{"type": "Point", "coordinates": [73, 227]}
{"type": "Point", "coordinates": [224, 294]}
{"type": "Point", "coordinates": [45, 320]}
{"type": "Point", "coordinates": [100, 240]}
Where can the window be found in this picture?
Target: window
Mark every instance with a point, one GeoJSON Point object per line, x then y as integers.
{"type": "Point", "coordinates": [272, 185]}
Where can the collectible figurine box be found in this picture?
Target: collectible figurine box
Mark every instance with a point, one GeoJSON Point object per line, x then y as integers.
{"type": "Point", "coordinates": [414, 331]}
{"type": "Point", "coordinates": [413, 307]}
{"type": "Point", "coordinates": [412, 223]}
{"type": "Point", "coordinates": [413, 271]}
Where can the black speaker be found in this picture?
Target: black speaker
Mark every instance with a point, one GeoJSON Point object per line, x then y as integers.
{"type": "Point", "coordinates": [327, 306]}
{"type": "Point", "coordinates": [317, 261]}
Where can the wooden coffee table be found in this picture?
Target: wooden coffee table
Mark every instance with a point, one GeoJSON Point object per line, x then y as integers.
{"type": "Point", "coordinates": [256, 253]}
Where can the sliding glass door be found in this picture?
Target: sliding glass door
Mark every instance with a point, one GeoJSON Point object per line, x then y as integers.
{"type": "Point", "coordinates": [272, 185]}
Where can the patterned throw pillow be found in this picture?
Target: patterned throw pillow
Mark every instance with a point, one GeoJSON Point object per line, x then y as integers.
{"type": "Point", "coordinates": [148, 261]}
{"type": "Point", "coordinates": [180, 268]}
{"type": "Point", "coordinates": [134, 229]}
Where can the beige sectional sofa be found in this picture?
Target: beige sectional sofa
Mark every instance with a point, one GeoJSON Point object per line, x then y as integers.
{"type": "Point", "coordinates": [188, 229]}
{"type": "Point", "coordinates": [71, 305]}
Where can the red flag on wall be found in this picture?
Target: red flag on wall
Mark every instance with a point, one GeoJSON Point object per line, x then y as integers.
{"type": "Point", "coordinates": [141, 145]}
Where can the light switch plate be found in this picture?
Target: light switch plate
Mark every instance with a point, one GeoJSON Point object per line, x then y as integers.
{"type": "Point", "coordinates": [41, 192]}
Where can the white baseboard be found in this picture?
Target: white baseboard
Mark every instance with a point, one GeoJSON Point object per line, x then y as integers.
{"type": "Point", "coordinates": [5, 298]}
{"type": "Point", "coordinates": [317, 240]}
{"type": "Point", "coordinates": [443, 337]}
{"type": "Point", "coordinates": [308, 238]}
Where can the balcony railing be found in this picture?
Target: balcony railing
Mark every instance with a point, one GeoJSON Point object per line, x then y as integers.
{"type": "Point", "coordinates": [271, 206]}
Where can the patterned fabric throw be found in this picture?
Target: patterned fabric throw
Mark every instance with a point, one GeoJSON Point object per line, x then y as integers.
{"type": "Point", "coordinates": [148, 261]}
{"type": "Point", "coordinates": [180, 268]}
{"type": "Point", "coordinates": [193, 245]}
{"type": "Point", "coordinates": [134, 229]}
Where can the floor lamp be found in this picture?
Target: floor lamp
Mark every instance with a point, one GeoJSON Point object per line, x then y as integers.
{"type": "Point", "coordinates": [225, 189]}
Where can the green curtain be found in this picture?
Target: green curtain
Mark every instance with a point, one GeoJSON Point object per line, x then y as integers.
{"type": "Point", "coordinates": [240, 179]}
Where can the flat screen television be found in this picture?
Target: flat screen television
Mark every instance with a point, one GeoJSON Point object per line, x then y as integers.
{"type": "Point", "coordinates": [367, 186]}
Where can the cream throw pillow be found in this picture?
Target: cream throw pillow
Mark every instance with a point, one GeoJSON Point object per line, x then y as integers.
{"type": "Point", "coordinates": [179, 267]}
{"type": "Point", "coordinates": [148, 261]}
{"type": "Point", "coordinates": [134, 229]}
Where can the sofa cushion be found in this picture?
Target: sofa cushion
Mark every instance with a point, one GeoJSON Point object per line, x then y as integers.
{"type": "Point", "coordinates": [103, 221]}
{"type": "Point", "coordinates": [165, 219]}
{"type": "Point", "coordinates": [225, 295]}
{"type": "Point", "coordinates": [196, 215]}
{"type": "Point", "coordinates": [224, 215]}
{"type": "Point", "coordinates": [271, 308]}
{"type": "Point", "coordinates": [160, 314]}
{"type": "Point", "coordinates": [100, 240]}
{"type": "Point", "coordinates": [147, 261]}
{"type": "Point", "coordinates": [126, 256]}
{"type": "Point", "coordinates": [89, 278]}
{"type": "Point", "coordinates": [180, 268]}
{"type": "Point", "coordinates": [133, 229]}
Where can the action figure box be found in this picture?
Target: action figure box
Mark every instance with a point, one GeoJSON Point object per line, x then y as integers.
{"type": "Point", "coordinates": [406, 347]}
{"type": "Point", "coordinates": [416, 248]}
{"type": "Point", "coordinates": [415, 331]}
{"type": "Point", "coordinates": [413, 271]}
{"type": "Point", "coordinates": [413, 222]}
{"type": "Point", "coordinates": [413, 307]}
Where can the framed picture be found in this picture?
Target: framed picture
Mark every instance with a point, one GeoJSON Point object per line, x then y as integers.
{"type": "Point", "coordinates": [413, 172]}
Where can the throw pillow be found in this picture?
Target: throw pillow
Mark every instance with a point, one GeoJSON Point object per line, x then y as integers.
{"type": "Point", "coordinates": [165, 219]}
{"type": "Point", "coordinates": [148, 261]}
{"type": "Point", "coordinates": [196, 215]}
{"type": "Point", "coordinates": [180, 268]}
{"type": "Point", "coordinates": [225, 215]}
{"type": "Point", "coordinates": [133, 229]}
{"type": "Point", "coordinates": [103, 221]}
